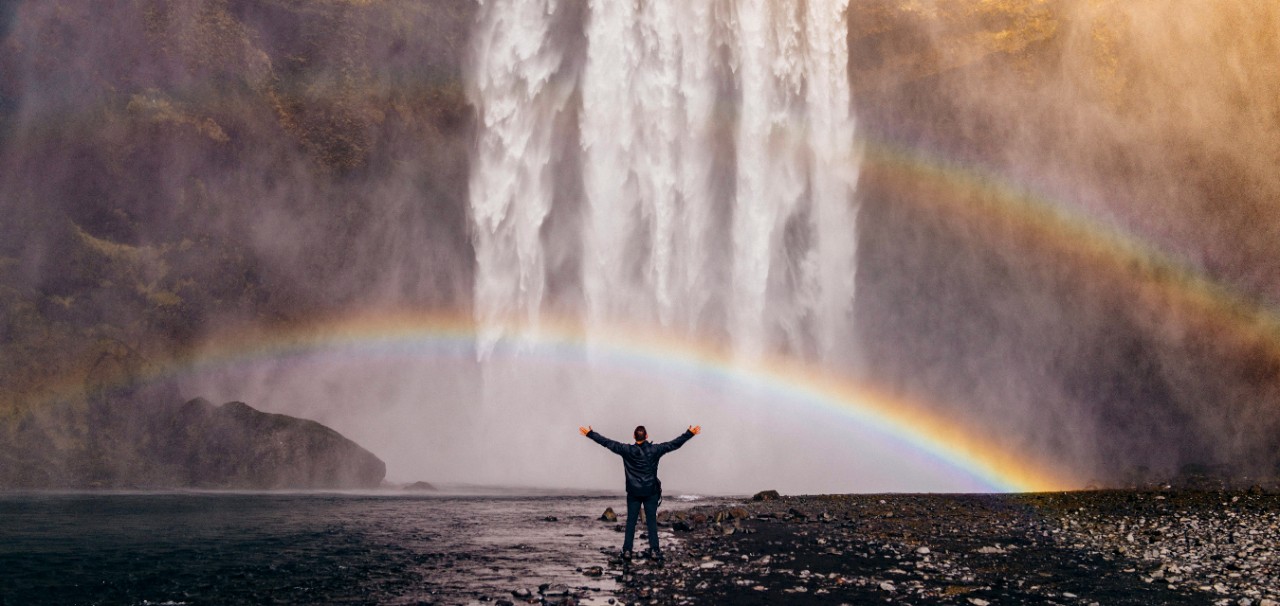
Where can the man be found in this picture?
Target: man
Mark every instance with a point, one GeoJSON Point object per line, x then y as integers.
{"type": "Point", "coordinates": [640, 461]}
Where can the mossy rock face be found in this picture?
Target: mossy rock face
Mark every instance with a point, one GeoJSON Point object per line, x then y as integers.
{"type": "Point", "coordinates": [135, 185]}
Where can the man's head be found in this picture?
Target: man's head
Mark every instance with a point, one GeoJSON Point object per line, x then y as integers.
{"type": "Point", "coordinates": [641, 434]}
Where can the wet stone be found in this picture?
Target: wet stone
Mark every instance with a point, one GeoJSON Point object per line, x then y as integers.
{"type": "Point", "coordinates": [1081, 548]}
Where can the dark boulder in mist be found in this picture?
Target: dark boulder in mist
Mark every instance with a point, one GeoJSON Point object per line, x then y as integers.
{"type": "Point", "coordinates": [421, 487]}
{"type": "Point", "coordinates": [766, 495]}
{"type": "Point", "coordinates": [114, 443]}
{"type": "Point", "coordinates": [236, 446]}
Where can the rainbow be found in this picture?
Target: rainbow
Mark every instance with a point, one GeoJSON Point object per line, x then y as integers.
{"type": "Point", "coordinates": [1022, 219]}
{"type": "Point", "coordinates": [648, 352]}
{"type": "Point", "coordinates": [955, 192]}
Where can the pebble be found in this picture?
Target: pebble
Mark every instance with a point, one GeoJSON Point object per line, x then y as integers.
{"type": "Point", "coordinates": [1188, 545]}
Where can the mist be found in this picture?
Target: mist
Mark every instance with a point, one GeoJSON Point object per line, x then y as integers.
{"type": "Point", "coordinates": [171, 173]}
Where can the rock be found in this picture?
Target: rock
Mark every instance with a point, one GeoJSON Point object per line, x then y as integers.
{"type": "Point", "coordinates": [550, 519]}
{"type": "Point", "coordinates": [887, 586]}
{"type": "Point", "coordinates": [235, 445]}
{"type": "Point", "coordinates": [766, 495]}
{"type": "Point", "coordinates": [145, 441]}
{"type": "Point", "coordinates": [593, 571]}
{"type": "Point", "coordinates": [978, 602]}
{"type": "Point", "coordinates": [922, 550]}
{"type": "Point", "coordinates": [608, 515]}
{"type": "Point", "coordinates": [555, 590]}
{"type": "Point", "coordinates": [421, 487]}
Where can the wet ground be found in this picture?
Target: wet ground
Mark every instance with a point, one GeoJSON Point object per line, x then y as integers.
{"type": "Point", "coordinates": [297, 549]}
{"type": "Point", "coordinates": [1131, 547]}
{"type": "Point", "coordinates": [1074, 548]}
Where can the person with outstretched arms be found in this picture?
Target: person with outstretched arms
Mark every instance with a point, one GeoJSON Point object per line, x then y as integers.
{"type": "Point", "coordinates": [640, 462]}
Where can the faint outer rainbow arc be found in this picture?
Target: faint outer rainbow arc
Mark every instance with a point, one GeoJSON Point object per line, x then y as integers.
{"type": "Point", "coordinates": [971, 194]}
{"type": "Point", "coordinates": [653, 352]}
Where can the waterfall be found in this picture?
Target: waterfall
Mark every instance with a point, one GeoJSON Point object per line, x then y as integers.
{"type": "Point", "coordinates": [718, 166]}
{"type": "Point", "coordinates": [647, 95]}
{"type": "Point", "coordinates": [513, 84]}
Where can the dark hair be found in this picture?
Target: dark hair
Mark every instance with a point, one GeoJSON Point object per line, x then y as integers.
{"type": "Point", "coordinates": [640, 433]}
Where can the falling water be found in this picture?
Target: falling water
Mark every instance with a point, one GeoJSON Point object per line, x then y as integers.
{"type": "Point", "coordinates": [757, 247]}
{"type": "Point", "coordinates": [514, 87]}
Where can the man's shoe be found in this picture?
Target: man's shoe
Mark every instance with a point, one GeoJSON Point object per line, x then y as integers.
{"type": "Point", "coordinates": [627, 556]}
{"type": "Point", "coordinates": [658, 559]}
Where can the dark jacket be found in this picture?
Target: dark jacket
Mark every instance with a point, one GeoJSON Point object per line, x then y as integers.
{"type": "Point", "coordinates": [641, 461]}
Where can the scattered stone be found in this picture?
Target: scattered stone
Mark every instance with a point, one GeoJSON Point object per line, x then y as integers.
{"type": "Point", "coordinates": [553, 590]}
{"type": "Point", "coordinates": [766, 495]}
{"type": "Point", "coordinates": [1053, 547]}
{"type": "Point", "coordinates": [608, 515]}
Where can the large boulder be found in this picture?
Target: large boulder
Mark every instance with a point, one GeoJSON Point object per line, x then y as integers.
{"type": "Point", "coordinates": [115, 444]}
{"type": "Point", "coordinates": [235, 445]}
{"type": "Point", "coordinates": [766, 495]}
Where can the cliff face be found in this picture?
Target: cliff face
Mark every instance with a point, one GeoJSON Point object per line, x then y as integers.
{"type": "Point", "coordinates": [1066, 238]}
{"type": "Point", "coordinates": [170, 166]}
{"type": "Point", "coordinates": [1064, 226]}
{"type": "Point", "coordinates": [167, 166]}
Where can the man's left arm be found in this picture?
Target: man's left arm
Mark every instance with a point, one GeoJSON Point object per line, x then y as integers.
{"type": "Point", "coordinates": [666, 447]}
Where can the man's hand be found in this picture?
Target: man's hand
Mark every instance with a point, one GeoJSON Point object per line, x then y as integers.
{"type": "Point", "coordinates": [695, 429]}
{"type": "Point", "coordinates": [585, 430]}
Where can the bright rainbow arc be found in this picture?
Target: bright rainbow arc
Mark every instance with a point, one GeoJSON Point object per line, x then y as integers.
{"type": "Point", "coordinates": [650, 352]}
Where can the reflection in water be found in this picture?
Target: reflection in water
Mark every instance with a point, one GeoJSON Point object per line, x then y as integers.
{"type": "Point", "coordinates": [296, 548]}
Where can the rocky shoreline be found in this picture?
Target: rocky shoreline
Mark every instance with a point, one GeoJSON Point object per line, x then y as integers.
{"type": "Point", "coordinates": [1096, 547]}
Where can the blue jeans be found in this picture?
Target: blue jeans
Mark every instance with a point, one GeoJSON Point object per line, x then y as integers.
{"type": "Point", "coordinates": [650, 504]}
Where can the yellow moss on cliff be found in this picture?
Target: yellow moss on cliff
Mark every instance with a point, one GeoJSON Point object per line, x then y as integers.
{"type": "Point", "coordinates": [155, 107]}
{"type": "Point", "coordinates": [918, 39]}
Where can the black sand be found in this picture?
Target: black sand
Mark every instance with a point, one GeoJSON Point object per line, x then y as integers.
{"type": "Point", "coordinates": [1065, 548]}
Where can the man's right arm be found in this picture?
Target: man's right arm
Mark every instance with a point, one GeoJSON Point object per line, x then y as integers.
{"type": "Point", "coordinates": [606, 442]}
